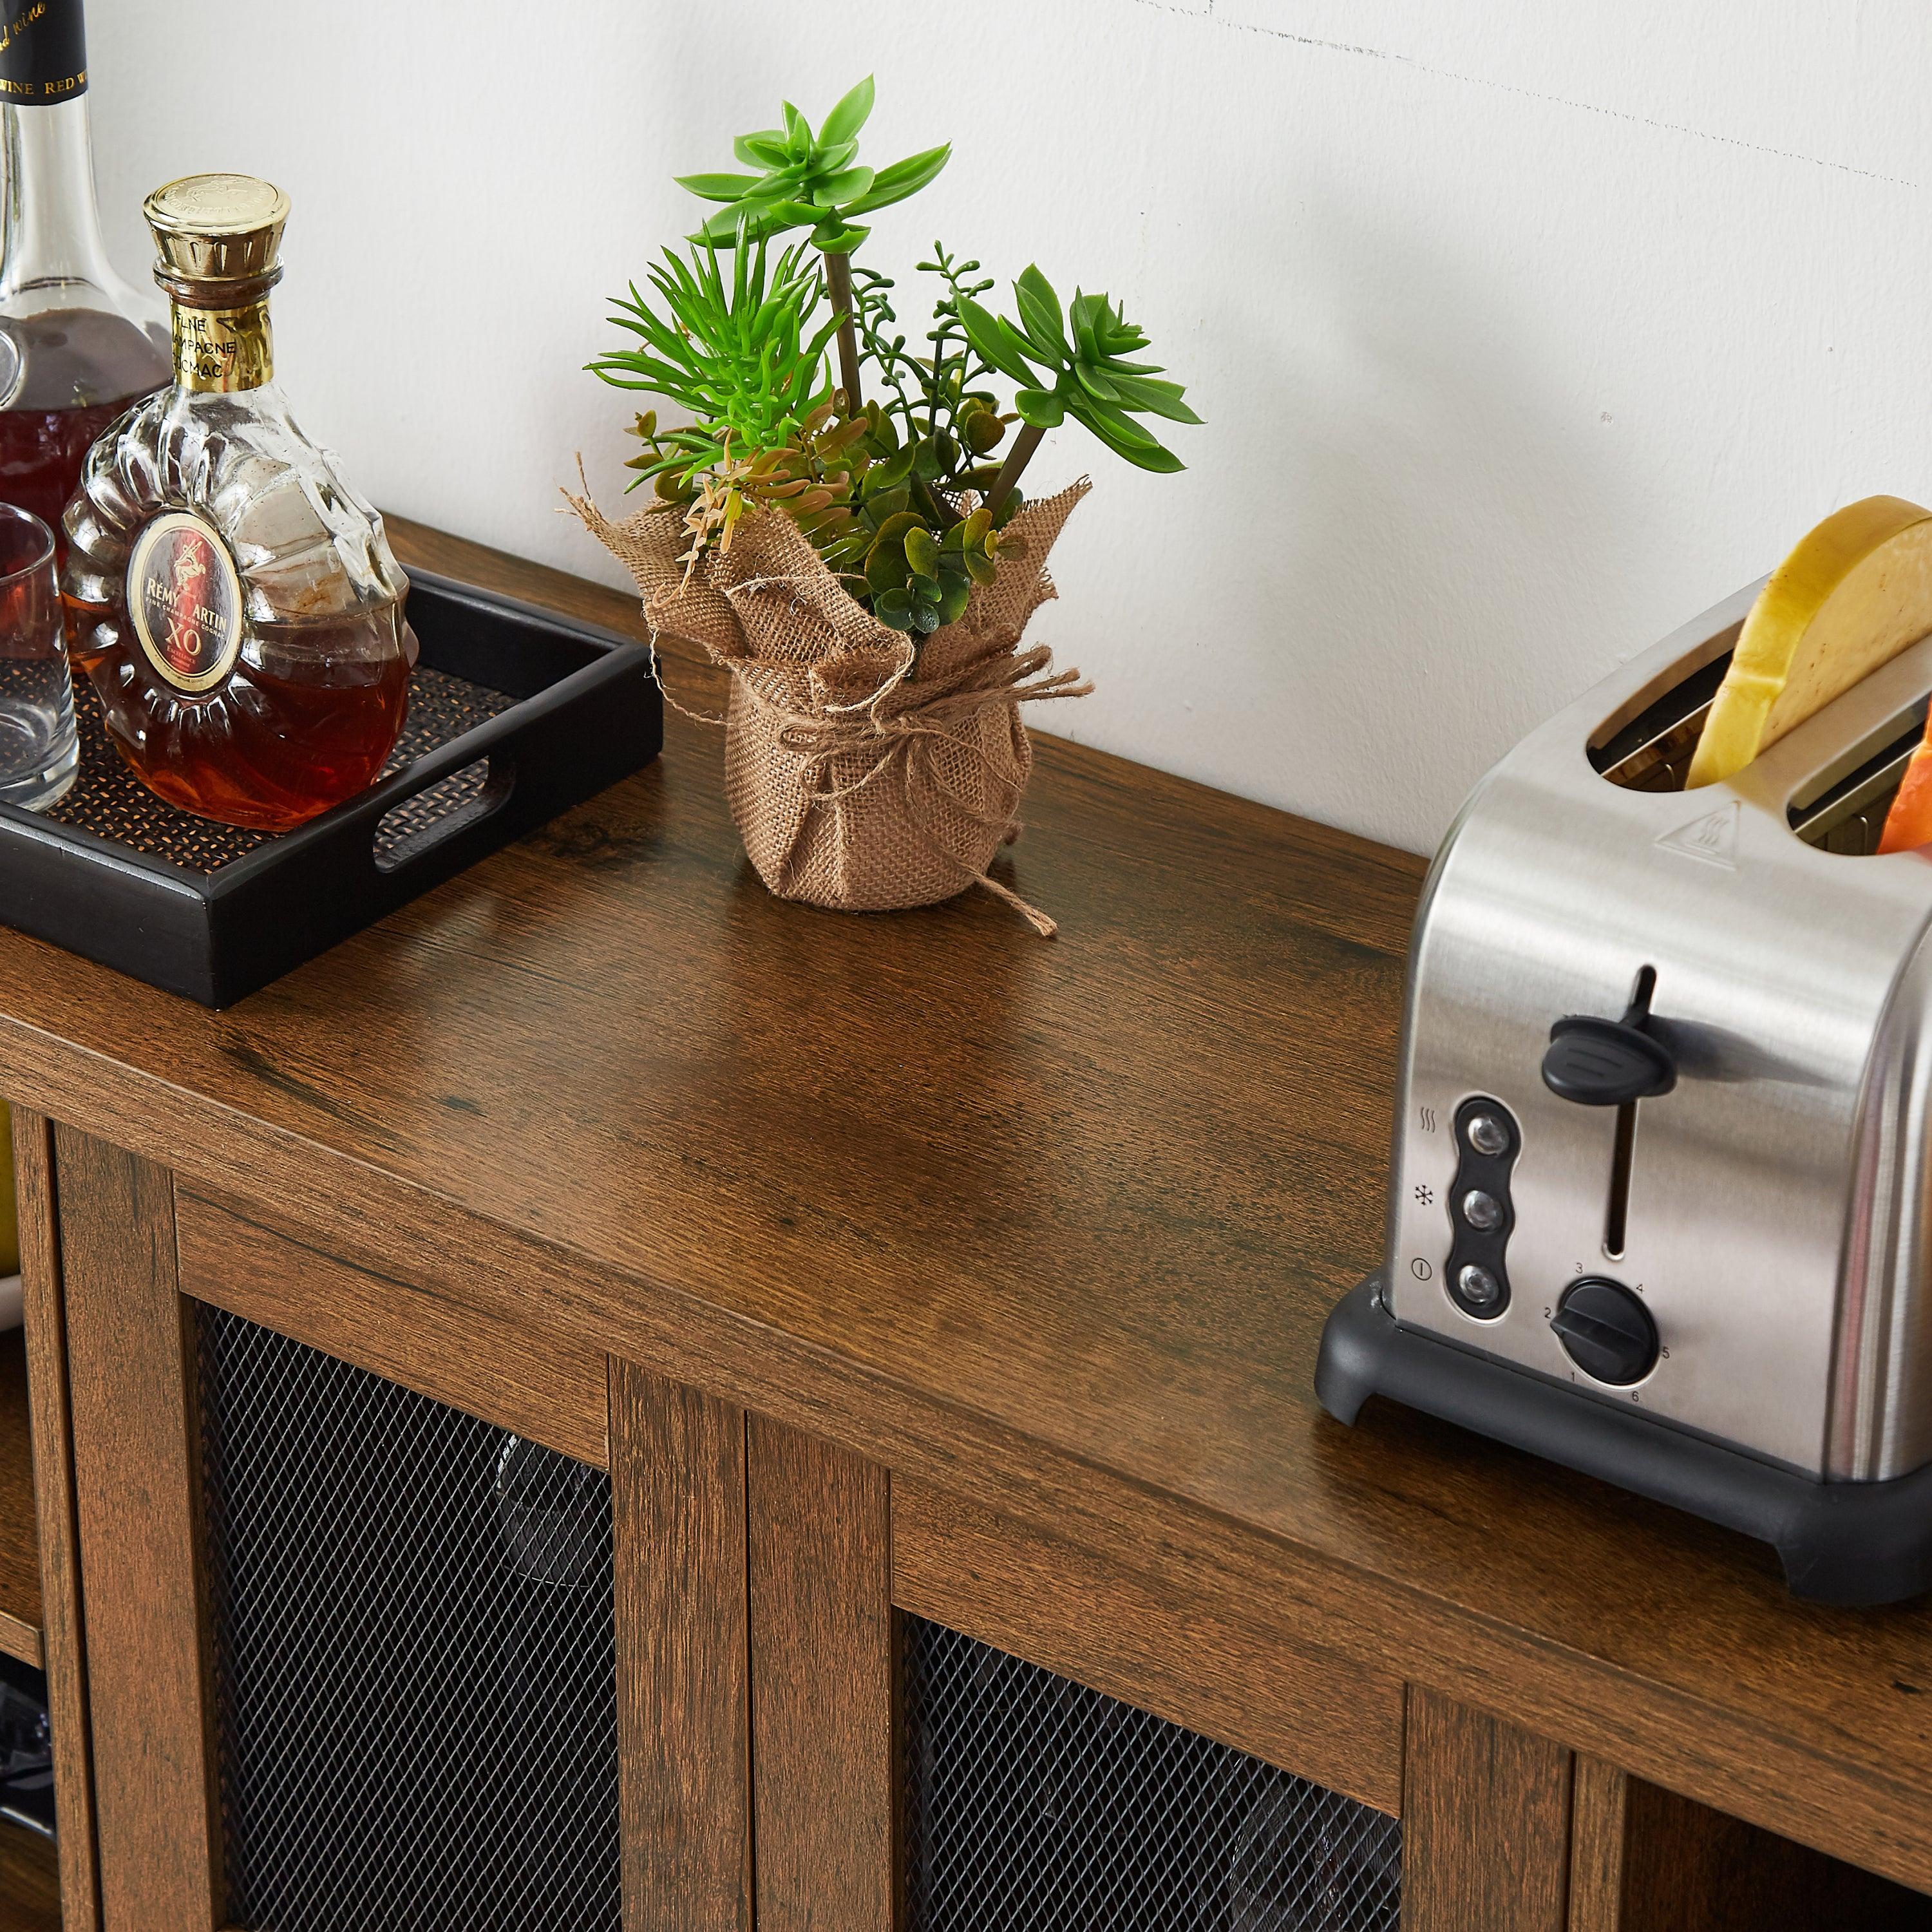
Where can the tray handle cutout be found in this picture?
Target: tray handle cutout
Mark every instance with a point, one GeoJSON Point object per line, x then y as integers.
{"type": "Point", "coordinates": [415, 826]}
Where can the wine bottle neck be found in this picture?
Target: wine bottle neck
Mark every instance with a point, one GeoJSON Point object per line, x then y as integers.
{"type": "Point", "coordinates": [53, 234]}
{"type": "Point", "coordinates": [219, 351]}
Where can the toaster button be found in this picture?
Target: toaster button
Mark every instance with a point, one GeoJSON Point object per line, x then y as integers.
{"type": "Point", "coordinates": [1482, 1211]}
{"type": "Point", "coordinates": [1487, 1135]}
{"type": "Point", "coordinates": [1607, 1331]}
{"type": "Point", "coordinates": [1480, 1289]}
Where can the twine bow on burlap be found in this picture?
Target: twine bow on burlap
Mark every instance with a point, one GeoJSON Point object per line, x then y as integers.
{"type": "Point", "coordinates": [861, 776]}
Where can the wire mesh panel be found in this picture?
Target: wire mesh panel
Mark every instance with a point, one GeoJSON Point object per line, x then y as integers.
{"type": "Point", "coordinates": [1034, 1804]}
{"type": "Point", "coordinates": [414, 1655]}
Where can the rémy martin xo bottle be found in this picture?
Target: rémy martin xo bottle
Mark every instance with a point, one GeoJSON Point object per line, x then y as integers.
{"type": "Point", "coordinates": [76, 344]}
{"type": "Point", "coordinates": [232, 600]}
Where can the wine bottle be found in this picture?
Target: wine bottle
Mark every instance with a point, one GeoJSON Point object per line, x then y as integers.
{"type": "Point", "coordinates": [77, 344]}
{"type": "Point", "coordinates": [233, 600]}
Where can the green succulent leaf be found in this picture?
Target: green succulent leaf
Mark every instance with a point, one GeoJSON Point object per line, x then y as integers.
{"type": "Point", "coordinates": [954, 598]}
{"type": "Point", "coordinates": [894, 608]}
{"type": "Point", "coordinates": [895, 528]}
{"type": "Point", "coordinates": [1090, 379]}
{"type": "Point", "coordinates": [810, 184]}
{"type": "Point", "coordinates": [981, 567]}
{"type": "Point", "coordinates": [764, 149]}
{"type": "Point", "coordinates": [894, 470]}
{"type": "Point", "coordinates": [1126, 437]}
{"type": "Point", "coordinates": [847, 185]}
{"type": "Point", "coordinates": [852, 112]}
{"type": "Point", "coordinates": [983, 431]}
{"type": "Point", "coordinates": [838, 238]}
{"type": "Point", "coordinates": [1152, 398]}
{"type": "Point", "coordinates": [886, 567]}
{"type": "Point", "coordinates": [901, 179]}
{"type": "Point", "coordinates": [1039, 315]}
{"type": "Point", "coordinates": [719, 187]}
{"type": "Point", "coordinates": [925, 618]}
{"type": "Point", "coordinates": [1040, 408]}
{"type": "Point", "coordinates": [922, 552]}
{"type": "Point", "coordinates": [995, 340]}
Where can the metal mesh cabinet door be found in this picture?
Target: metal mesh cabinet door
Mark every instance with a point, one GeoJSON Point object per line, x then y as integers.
{"type": "Point", "coordinates": [413, 1651]}
{"type": "Point", "coordinates": [1034, 1804]}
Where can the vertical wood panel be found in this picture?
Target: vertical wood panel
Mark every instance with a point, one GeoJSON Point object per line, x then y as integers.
{"type": "Point", "coordinates": [1485, 1823]}
{"type": "Point", "coordinates": [1597, 1811]}
{"type": "Point", "coordinates": [1688, 1868]}
{"type": "Point", "coordinates": [135, 1490]}
{"type": "Point", "coordinates": [46, 1338]}
{"type": "Point", "coordinates": [677, 1477]}
{"type": "Point", "coordinates": [822, 1684]}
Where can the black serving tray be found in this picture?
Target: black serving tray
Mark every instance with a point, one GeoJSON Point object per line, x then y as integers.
{"type": "Point", "coordinates": [516, 714]}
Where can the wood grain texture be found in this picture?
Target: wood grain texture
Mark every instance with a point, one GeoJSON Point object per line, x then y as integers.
{"type": "Point", "coordinates": [1485, 1824]}
{"type": "Point", "coordinates": [30, 1886]}
{"type": "Point", "coordinates": [677, 1476]}
{"type": "Point", "coordinates": [822, 1684]}
{"type": "Point", "coordinates": [1311, 1712]}
{"type": "Point", "coordinates": [1687, 1868]}
{"type": "Point", "coordinates": [44, 1330]}
{"type": "Point", "coordinates": [1053, 1227]}
{"type": "Point", "coordinates": [20, 1586]}
{"type": "Point", "coordinates": [135, 1484]}
{"type": "Point", "coordinates": [1598, 1792]}
{"type": "Point", "coordinates": [551, 1387]}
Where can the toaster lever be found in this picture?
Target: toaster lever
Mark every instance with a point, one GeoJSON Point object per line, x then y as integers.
{"type": "Point", "coordinates": [1600, 1062]}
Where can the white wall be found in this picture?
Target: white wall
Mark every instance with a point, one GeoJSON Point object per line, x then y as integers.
{"type": "Point", "coordinates": [1524, 331]}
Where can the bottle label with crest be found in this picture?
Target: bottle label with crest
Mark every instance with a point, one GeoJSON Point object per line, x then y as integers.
{"type": "Point", "coordinates": [185, 598]}
{"type": "Point", "coordinates": [43, 51]}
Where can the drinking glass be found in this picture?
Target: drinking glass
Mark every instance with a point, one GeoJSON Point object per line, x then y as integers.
{"type": "Point", "coordinates": [40, 747]}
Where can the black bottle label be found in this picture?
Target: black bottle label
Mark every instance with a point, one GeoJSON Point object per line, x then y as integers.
{"type": "Point", "coordinates": [43, 51]}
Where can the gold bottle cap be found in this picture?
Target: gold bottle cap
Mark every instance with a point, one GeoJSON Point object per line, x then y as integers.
{"type": "Point", "coordinates": [218, 236]}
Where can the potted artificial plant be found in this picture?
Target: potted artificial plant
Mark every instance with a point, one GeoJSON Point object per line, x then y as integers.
{"type": "Point", "coordinates": [855, 548]}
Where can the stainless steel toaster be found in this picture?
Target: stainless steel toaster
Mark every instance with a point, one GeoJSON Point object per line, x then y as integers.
{"type": "Point", "coordinates": [1661, 1200]}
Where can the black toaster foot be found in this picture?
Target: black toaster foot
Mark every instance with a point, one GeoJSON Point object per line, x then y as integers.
{"type": "Point", "coordinates": [1853, 1543]}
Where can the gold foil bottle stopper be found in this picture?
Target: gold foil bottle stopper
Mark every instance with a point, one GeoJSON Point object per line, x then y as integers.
{"type": "Point", "coordinates": [218, 236]}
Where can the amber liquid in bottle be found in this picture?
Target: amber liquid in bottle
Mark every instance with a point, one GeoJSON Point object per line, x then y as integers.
{"type": "Point", "coordinates": [77, 343]}
{"type": "Point", "coordinates": [314, 723]}
{"type": "Point", "coordinates": [233, 602]}
{"type": "Point", "coordinates": [46, 432]}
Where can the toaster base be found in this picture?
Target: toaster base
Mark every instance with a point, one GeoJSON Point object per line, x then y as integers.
{"type": "Point", "coordinates": [1852, 1543]}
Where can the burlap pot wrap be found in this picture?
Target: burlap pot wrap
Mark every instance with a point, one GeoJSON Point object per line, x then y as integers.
{"type": "Point", "coordinates": [854, 784]}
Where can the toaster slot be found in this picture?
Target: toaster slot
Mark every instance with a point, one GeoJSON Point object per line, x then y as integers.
{"type": "Point", "coordinates": [1652, 752]}
{"type": "Point", "coordinates": [1623, 1150]}
{"type": "Point", "coordinates": [1848, 815]}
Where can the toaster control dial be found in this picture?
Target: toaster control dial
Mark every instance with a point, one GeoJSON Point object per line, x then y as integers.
{"type": "Point", "coordinates": [1607, 1331]}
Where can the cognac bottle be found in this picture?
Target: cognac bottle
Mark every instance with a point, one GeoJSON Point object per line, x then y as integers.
{"type": "Point", "coordinates": [232, 600]}
{"type": "Point", "coordinates": [76, 344]}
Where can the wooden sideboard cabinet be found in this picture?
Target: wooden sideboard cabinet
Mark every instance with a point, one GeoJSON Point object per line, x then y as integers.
{"type": "Point", "coordinates": [611, 1402]}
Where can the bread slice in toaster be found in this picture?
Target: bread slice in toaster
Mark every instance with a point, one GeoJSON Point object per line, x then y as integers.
{"type": "Point", "coordinates": [1852, 595]}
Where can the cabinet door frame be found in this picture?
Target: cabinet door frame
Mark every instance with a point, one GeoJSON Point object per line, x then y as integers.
{"type": "Point", "coordinates": [760, 1571]}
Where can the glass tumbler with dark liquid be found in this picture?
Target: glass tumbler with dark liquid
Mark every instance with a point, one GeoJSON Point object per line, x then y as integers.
{"type": "Point", "coordinates": [77, 344]}
{"type": "Point", "coordinates": [231, 598]}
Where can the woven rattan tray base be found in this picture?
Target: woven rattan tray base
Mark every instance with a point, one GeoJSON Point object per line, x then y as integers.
{"type": "Point", "coordinates": [109, 801]}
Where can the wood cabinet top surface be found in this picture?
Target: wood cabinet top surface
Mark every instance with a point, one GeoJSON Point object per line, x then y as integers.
{"type": "Point", "coordinates": [1061, 1220]}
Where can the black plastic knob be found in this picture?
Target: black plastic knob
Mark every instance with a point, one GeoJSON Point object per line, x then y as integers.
{"type": "Point", "coordinates": [1607, 1331]}
{"type": "Point", "coordinates": [1600, 1062]}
